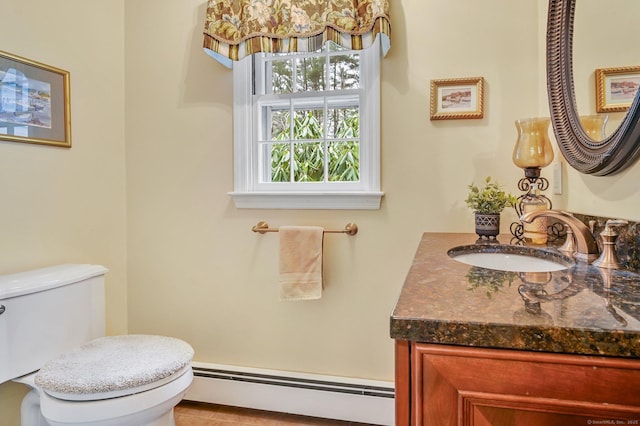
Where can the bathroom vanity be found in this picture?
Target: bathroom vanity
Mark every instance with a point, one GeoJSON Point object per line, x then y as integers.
{"type": "Point", "coordinates": [476, 346]}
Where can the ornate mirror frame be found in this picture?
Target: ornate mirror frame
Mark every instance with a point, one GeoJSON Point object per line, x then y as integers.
{"type": "Point", "coordinates": [601, 158]}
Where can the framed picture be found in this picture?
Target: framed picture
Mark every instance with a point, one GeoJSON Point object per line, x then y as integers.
{"type": "Point", "coordinates": [457, 98]}
{"type": "Point", "coordinates": [616, 88]}
{"type": "Point", "coordinates": [34, 102]}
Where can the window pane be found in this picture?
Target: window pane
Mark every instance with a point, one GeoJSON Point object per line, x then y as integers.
{"type": "Point", "coordinates": [344, 161]}
{"type": "Point", "coordinates": [310, 74]}
{"type": "Point", "coordinates": [281, 75]}
{"type": "Point", "coordinates": [309, 162]}
{"type": "Point", "coordinates": [309, 124]}
{"type": "Point", "coordinates": [344, 72]}
{"type": "Point", "coordinates": [308, 136]}
{"type": "Point", "coordinates": [280, 125]}
{"type": "Point", "coordinates": [343, 123]}
{"type": "Point", "coordinates": [280, 162]}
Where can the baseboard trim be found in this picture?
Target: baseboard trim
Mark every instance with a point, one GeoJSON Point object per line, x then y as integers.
{"type": "Point", "coordinates": [331, 397]}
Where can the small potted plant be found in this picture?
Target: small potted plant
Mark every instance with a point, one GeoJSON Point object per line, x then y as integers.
{"type": "Point", "coordinates": [487, 202]}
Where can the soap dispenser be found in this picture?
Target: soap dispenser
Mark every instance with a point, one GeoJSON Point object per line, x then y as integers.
{"type": "Point", "coordinates": [609, 258]}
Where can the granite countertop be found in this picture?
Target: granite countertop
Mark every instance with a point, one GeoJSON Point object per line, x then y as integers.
{"type": "Point", "coordinates": [581, 310]}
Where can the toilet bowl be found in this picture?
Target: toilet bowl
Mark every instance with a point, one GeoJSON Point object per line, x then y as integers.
{"type": "Point", "coordinates": [53, 319]}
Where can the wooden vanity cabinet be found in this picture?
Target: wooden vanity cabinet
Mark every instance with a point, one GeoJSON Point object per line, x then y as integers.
{"type": "Point", "coordinates": [443, 385]}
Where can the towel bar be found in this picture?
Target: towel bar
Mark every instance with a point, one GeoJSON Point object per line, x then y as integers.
{"type": "Point", "coordinates": [350, 229]}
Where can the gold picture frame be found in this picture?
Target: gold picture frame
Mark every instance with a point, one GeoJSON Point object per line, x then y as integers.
{"type": "Point", "coordinates": [616, 88]}
{"type": "Point", "coordinates": [34, 102]}
{"type": "Point", "coordinates": [457, 98]}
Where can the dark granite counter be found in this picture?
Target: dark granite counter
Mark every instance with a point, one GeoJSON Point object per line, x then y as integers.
{"type": "Point", "coordinates": [580, 310]}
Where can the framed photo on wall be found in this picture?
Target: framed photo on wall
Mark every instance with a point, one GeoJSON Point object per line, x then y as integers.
{"type": "Point", "coordinates": [616, 88]}
{"type": "Point", "coordinates": [457, 98]}
{"type": "Point", "coordinates": [34, 102]}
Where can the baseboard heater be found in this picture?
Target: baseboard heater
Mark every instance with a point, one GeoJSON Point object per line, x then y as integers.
{"type": "Point", "coordinates": [331, 397]}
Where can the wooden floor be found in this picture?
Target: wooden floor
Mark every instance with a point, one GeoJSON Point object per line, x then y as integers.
{"type": "Point", "coordinates": [200, 414]}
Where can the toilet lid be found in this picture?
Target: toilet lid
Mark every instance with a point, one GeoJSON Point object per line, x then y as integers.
{"type": "Point", "coordinates": [115, 366]}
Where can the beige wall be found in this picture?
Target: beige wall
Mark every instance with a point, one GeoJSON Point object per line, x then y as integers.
{"type": "Point", "coordinates": [194, 268]}
{"type": "Point", "coordinates": [68, 205]}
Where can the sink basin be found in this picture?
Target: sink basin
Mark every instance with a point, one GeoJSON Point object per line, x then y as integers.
{"type": "Point", "coordinates": [504, 257]}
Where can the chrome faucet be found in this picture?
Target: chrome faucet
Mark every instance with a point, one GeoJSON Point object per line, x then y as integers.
{"type": "Point", "coordinates": [586, 246]}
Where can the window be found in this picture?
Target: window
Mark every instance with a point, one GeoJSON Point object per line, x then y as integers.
{"type": "Point", "coordinates": [306, 129]}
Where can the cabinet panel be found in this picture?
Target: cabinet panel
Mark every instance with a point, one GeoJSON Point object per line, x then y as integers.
{"type": "Point", "coordinates": [403, 382]}
{"type": "Point", "coordinates": [453, 385]}
{"type": "Point", "coordinates": [489, 409]}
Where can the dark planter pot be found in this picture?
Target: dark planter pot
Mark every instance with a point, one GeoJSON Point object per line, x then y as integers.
{"type": "Point", "coordinates": [488, 225]}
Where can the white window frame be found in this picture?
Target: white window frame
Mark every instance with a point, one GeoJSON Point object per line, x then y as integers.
{"type": "Point", "coordinates": [250, 193]}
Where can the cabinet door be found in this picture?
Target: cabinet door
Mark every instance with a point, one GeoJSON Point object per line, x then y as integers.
{"type": "Point", "coordinates": [488, 387]}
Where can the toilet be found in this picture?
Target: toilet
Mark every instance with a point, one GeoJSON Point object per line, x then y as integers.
{"type": "Point", "coordinates": [52, 339]}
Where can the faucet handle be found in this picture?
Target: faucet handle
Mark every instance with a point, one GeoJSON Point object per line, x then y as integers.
{"type": "Point", "coordinates": [610, 224]}
{"type": "Point", "coordinates": [569, 245]}
{"type": "Point", "coordinates": [609, 258]}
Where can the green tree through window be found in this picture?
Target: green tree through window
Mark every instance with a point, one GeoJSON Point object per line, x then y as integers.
{"type": "Point", "coordinates": [321, 144]}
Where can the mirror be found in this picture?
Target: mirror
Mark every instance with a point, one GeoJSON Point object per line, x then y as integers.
{"type": "Point", "coordinates": [621, 147]}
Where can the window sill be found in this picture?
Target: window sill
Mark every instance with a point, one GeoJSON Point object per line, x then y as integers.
{"type": "Point", "coordinates": [308, 200]}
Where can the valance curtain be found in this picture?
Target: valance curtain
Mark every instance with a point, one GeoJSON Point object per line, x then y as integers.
{"type": "Point", "coordinates": [238, 28]}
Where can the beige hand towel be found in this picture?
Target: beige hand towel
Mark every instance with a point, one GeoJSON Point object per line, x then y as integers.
{"type": "Point", "coordinates": [300, 262]}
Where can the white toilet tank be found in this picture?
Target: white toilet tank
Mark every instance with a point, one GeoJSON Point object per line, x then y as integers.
{"type": "Point", "coordinates": [46, 312]}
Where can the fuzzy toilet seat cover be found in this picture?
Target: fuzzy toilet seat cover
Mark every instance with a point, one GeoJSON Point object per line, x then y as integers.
{"type": "Point", "coordinates": [114, 364]}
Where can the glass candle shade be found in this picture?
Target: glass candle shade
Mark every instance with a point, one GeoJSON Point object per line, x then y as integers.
{"type": "Point", "coordinates": [533, 147]}
{"type": "Point", "coordinates": [594, 126]}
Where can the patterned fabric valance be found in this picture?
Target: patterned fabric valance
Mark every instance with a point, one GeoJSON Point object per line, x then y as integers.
{"type": "Point", "coordinates": [237, 28]}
